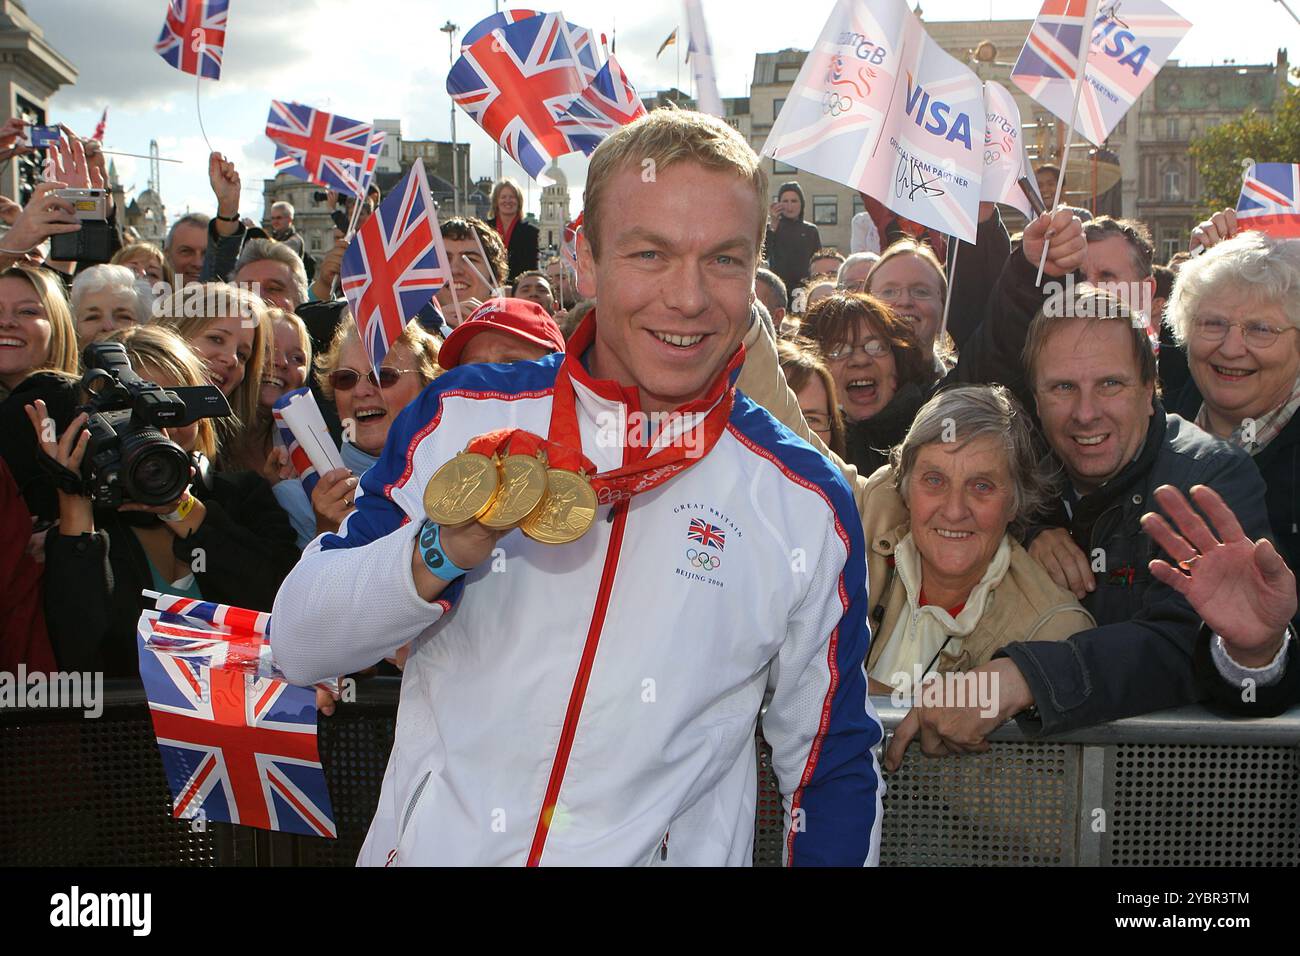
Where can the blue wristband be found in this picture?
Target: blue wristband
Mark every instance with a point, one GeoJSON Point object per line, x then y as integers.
{"type": "Point", "coordinates": [435, 559]}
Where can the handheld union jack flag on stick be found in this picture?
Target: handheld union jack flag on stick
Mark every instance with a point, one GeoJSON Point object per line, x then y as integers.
{"type": "Point", "coordinates": [515, 83]}
{"type": "Point", "coordinates": [237, 747]}
{"type": "Point", "coordinates": [608, 102]}
{"type": "Point", "coordinates": [396, 264]}
{"type": "Point", "coordinates": [1130, 41]}
{"type": "Point", "coordinates": [328, 150]}
{"type": "Point", "coordinates": [193, 36]}
{"type": "Point", "coordinates": [1270, 200]}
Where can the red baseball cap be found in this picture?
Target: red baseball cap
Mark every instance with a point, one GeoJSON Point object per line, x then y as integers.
{"type": "Point", "coordinates": [526, 321]}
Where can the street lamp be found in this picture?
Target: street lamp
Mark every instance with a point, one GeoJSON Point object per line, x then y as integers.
{"type": "Point", "coordinates": [450, 29]}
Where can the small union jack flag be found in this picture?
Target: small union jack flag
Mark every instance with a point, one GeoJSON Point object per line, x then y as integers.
{"type": "Point", "coordinates": [236, 747]}
{"type": "Point", "coordinates": [706, 534]}
{"type": "Point", "coordinates": [608, 103]}
{"type": "Point", "coordinates": [515, 83]}
{"type": "Point", "coordinates": [328, 150]}
{"type": "Point", "coordinates": [396, 264]}
{"type": "Point", "coordinates": [193, 36]}
{"type": "Point", "coordinates": [359, 187]}
{"type": "Point", "coordinates": [298, 456]}
{"type": "Point", "coordinates": [220, 615]}
{"type": "Point", "coordinates": [1270, 200]}
{"type": "Point", "coordinates": [569, 247]}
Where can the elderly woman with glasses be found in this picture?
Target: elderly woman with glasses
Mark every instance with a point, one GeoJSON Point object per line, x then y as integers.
{"type": "Point", "coordinates": [367, 405]}
{"type": "Point", "coordinates": [882, 373]}
{"type": "Point", "coordinates": [950, 582]}
{"type": "Point", "coordinates": [1236, 312]}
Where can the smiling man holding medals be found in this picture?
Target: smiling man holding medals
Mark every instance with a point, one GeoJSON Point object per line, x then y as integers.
{"type": "Point", "coordinates": [599, 615]}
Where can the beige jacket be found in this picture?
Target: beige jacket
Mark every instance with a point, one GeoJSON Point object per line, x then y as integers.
{"type": "Point", "coordinates": [1026, 605]}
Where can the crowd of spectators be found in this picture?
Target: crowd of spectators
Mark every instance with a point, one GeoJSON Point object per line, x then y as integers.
{"type": "Point", "coordinates": [1007, 443]}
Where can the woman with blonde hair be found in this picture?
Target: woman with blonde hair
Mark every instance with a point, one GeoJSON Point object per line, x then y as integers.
{"type": "Point", "coordinates": [814, 387]}
{"type": "Point", "coordinates": [286, 369]}
{"type": "Point", "coordinates": [147, 261]}
{"type": "Point", "coordinates": [230, 330]}
{"type": "Point", "coordinates": [223, 539]}
{"type": "Point", "coordinates": [37, 333]}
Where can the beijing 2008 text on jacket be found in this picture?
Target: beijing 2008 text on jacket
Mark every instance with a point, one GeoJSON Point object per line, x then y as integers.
{"type": "Point", "coordinates": [595, 703]}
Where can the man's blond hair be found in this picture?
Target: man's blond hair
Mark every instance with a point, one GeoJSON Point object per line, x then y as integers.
{"type": "Point", "coordinates": [658, 140]}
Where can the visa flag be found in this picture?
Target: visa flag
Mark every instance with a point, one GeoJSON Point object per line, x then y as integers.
{"type": "Point", "coordinates": [608, 102]}
{"type": "Point", "coordinates": [699, 53]}
{"type": "Point", "coordinates": [322, 148]}
{"type": "Point", "coordinates": [193, 37]}
{"type": "Point", "coordinates": [236, 747]}
{"type": "Point", "coordinates": [1129, 41]}
{"type": "Point", "coordinates": [881, 108]}
{"type": "Point", "coordinates": [396, 264]}
{"type": "Point", "coordinates": [1270, 199]}
{"type": "Point", "coordinates": [515, 83]}
{"type": "Point", "coordinates": [1004, 151]}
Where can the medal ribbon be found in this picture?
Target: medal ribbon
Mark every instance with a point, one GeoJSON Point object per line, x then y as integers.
{"type": "Point", "coordinates": [641, 470]}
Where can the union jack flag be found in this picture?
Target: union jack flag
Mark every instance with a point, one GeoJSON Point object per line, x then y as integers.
{"type": "Point", "coordinates": [1270, 200]}
{"type": "Point", "coordinates": [608, 102]}
{"type": "Point", "coordinates": [569, 247]}
{"type": "Point", "coordinates": [706, 534]}
{"type": "Point", "coordinates": [328, 150]}
{"type": "Point", "coordinates": [358, 187]}
{"type": "Point", "coordinates": [298, 456]}
{"type": "Point", "coordinates": [236, 747]}
{"type": "Point", "coordinates": [193, 36]}
{"type": "Point", "coordinates": [396, 264]}
{"type": "Point", "coordinates": [495, 22]}
{"type": "Point", "coordinates": [220, 615]}
{"type": "Point", "coordinates": [1129, 41]}
{"type": "Point", "coordinates": [515, 83]}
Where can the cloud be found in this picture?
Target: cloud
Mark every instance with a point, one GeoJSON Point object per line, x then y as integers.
{"type": "Point", "coordinates": [112, 48]}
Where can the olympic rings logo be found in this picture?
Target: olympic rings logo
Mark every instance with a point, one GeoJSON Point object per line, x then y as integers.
{"type": "Point", "coordinates": [834, 104]}
{"type": "Point", "coordinates": [703, 560]}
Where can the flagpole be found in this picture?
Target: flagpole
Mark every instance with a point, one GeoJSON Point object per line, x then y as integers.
{"type": "Point", "coordinates": [1081, 77]}
{"type": "Point", "coordinates": [954, 244]}
{"type": "Point", "coordinates": [198, 81]}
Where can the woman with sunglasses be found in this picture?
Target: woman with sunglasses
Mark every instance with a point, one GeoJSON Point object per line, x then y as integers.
{"type": "Point", "coordinates": [882, 373]}
{"type": "Point", "coordinates": [367, 405]}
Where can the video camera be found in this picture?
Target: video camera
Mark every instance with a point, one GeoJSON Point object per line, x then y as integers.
{"type": "Point", "coordinates": [128, 458]}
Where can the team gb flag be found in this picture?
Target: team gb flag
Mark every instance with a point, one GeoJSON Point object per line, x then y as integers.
{"type": "Point", "coordinates": [1130, 41]}
{"type": "Point", "coordinates": [881, 108]}
{"type": "Point", "coordinates": [1004, 153]}
{"type": "Point", "coordinates": [193, 37]}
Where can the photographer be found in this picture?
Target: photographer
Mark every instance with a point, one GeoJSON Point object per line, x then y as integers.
{"type": "Point", "coordinates": [224, 539]}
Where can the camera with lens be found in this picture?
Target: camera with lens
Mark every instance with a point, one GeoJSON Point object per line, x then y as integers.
{"type": "Point", "coordinates": [128, 458]}
{"type": "Point", "coordinates": [93, 242]}
{"type": "Point", "coordinates": [320, 196]}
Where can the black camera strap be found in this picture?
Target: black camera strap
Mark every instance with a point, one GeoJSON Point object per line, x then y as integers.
{"type": "Point", "coordinates": [64, 478]}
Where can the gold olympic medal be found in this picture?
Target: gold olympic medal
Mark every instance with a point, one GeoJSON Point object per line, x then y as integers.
{"type": "Point", "coordinates": [566, 513]}
{"type": "Point", "coordinates": [523, 486]}
{"type": "Point", "coordinates": [461, 490]}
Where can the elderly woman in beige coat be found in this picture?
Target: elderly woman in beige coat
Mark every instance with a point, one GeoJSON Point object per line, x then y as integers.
{"type": "Point", "coordinates": [975, 436]}
{"type": "Point", "coordinates": [950, 583]}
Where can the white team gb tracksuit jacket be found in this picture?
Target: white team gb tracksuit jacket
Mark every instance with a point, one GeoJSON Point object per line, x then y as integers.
{"type": "Point", "coordinates": [596, 702]}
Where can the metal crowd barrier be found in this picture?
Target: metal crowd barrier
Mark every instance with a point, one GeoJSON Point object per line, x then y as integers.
{"type": "Point", "coordinates": [1172, 789]}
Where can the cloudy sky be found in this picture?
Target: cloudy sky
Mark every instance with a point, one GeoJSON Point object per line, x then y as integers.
{"type": "Point", "coordinates": [386, 58]}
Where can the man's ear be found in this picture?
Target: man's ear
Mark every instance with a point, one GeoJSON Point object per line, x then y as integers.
{"type": "Point", "coordinates": [586, 267]}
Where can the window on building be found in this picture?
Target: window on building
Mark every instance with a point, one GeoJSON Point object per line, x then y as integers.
{"type": "Point", "coordinates": [776, 107]}
{"type": "Point", "coordinates": [1171, 127]}
{"type": "Point", "coordinates": [787, 74]}
{"type": "Point", "coordinates": [1173, 183]}
{"type": "Point", "coordinates": [783, 169]}
{"type": "Point", "coordinates": [1170, 246]}
{"type": "Point", "coordinates": [858, 205]}
{"type": "Point", "coordinates": [316, 244]}
{"type": "Point", "coordinates": [826, 211]}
